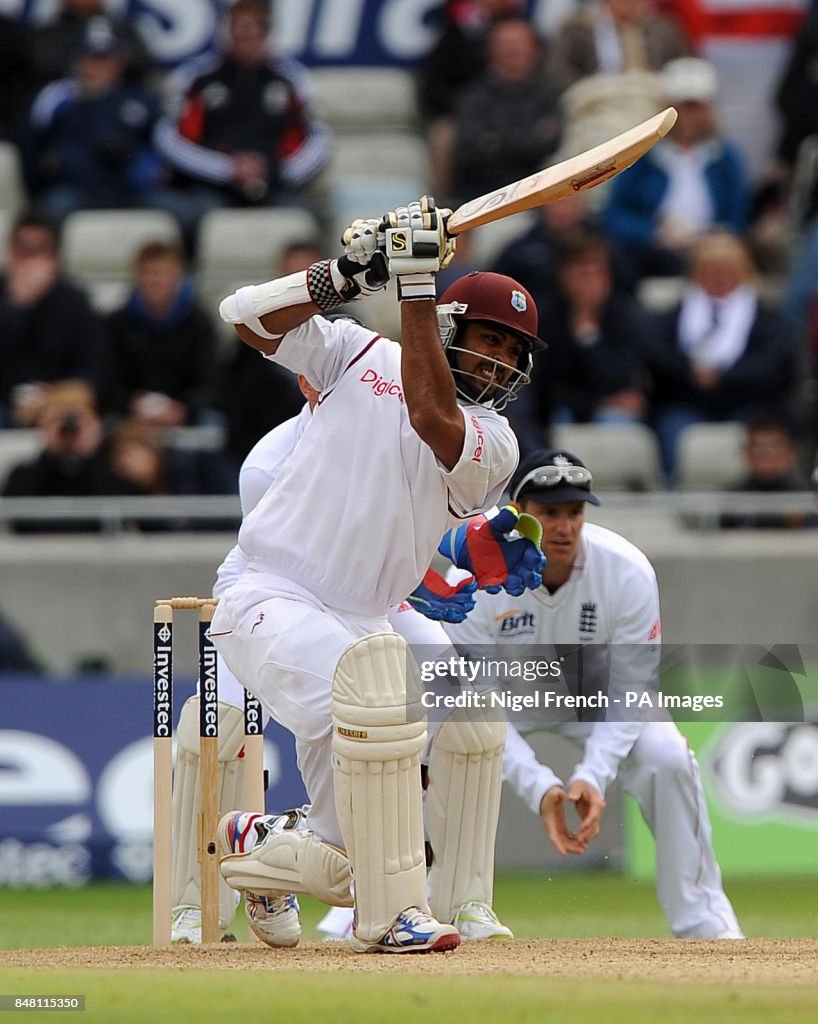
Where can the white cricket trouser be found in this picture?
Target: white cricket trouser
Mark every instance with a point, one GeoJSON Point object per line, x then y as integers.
{"type": "Point", "coordinates": [661, 773]}
{"type": "Point", "coordinates": [284, 648]}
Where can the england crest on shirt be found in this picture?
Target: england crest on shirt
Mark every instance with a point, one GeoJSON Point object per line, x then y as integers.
{"type": "Point", "coordinates": [587, 621]}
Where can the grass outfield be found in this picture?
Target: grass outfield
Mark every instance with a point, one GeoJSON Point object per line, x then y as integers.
{"type": "Point", "coordinates": [174, 997]}
{"type": "Point", "coordinates": [574, 905]}
{"type": "Point", "coordinates": [565, 909]}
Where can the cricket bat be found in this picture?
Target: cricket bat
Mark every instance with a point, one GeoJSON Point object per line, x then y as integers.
{"type": "Point", "coordinates": [578, 174]}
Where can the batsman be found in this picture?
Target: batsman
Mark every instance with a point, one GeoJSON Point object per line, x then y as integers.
{"type": "Point", "coordinates": [405, 442]}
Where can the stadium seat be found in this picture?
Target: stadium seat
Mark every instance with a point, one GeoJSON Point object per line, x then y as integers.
{"type": "Point", "coordinates": [620, 457]}
{"type": "Point", "coordinates": [373, 172]}
{"type": "Point", "coordinates": [710, 456]}
{"type": "Point", "coordinates": [375, 154]}
{"type": "Point", "coordinates": [100, 245]}
{"type": "Point", "coordinates": [365, 98]}
{"type": "Point", "coordinates": [247, 244]}
{"type": "Point", "coordinates": [244, 246]}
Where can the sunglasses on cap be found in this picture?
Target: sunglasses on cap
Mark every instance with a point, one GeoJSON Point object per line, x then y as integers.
{"type": "Point", "coordinates": [550, 476]}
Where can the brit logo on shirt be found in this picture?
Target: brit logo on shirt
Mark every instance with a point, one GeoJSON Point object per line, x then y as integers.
{"type": "Point", "coordinates": [587, 621]}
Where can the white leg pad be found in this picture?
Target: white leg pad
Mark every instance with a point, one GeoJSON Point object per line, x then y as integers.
{"type": "Point", "coordinates": [379, 732]}
{"type": "Point", "coordinates": [186, 795]}
{"type": "Point", "coordinates": [462, 810]}
{"type": "Point", "coordinates": [291, 862]}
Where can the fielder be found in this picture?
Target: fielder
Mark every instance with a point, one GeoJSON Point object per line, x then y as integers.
{"type": "Point", "coordinates": [404, 439]}
{"type": "Point", "coordinates": [599, 589]}
{"type": "Point", "coordinates": [276, 921]}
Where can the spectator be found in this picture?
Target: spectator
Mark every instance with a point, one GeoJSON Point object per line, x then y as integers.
{"type": "Point", "coordinates": [48, 330]}
{"type": "Point", "coordinates": [771, 460]}
{"type": "Point", "coordinates": [87, 144]}
{"type": "Point", "coordinates": [72, 461]}
{"type": "Point", "coordinates": [692, 181]}
{"type": "Point", "coordinates": [243, 134]}
{"type": "Point", "coordinates": [140, 455]}
{"type": "Point", "coordinates": [255, 398]}
{"type": "Point", "coordinates": [611, 37]}
{"type": "Point", "coordinates": [720, 354]}
{"type": "Point", "coordinates": [458, 57]}
{"type": "Point", "coordinates": [605, 60]}
{"type": "Point", "coordinates": [455, 61]}
{"type": "Point", "coordinates": [591, 371]}
{"type": "Point", "coordinates": [531, 258]}
{"type": "Point", "coordinates": [53, 44]}
{"type": "Point", "coordinates": [161, 345]}
{"type": "Point", "coordinates": [508, 122]}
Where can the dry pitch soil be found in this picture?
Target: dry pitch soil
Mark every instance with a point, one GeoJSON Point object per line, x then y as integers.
{"type": "Point", "coordinates": [761, 961]}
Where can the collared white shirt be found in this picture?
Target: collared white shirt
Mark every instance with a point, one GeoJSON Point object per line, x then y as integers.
{"type": "Point", "coordinates": [611, 598]}
{"type": "Point", "coordinates": [356, 513]}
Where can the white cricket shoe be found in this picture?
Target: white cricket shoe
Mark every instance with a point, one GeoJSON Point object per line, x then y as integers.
{"type": "Point", "coordinates": [186, 925]}
{"type": "Point", "coordinates": [276, 920]}
{"type": "Point", "coordinates": [730, 933]}
{"type": "Point", "coordinates": [412, 931]}
{"type": "Point", "coordinates": [477, 921]}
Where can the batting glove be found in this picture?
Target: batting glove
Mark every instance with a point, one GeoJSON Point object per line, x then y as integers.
{"type": "Point", "coordinates": [502, 553]}
{"type": "Point", "coordinates": [435, 599]}
{"type": "Point", "coordinates": [417, 246]}
{"type": "Point", "coordinates": [363, 262]}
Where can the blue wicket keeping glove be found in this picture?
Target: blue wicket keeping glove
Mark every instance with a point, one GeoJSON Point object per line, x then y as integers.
{"type": "Point", "coordinates": [498, 561]}
{"type": "Point", "coordinates": [435, 599]}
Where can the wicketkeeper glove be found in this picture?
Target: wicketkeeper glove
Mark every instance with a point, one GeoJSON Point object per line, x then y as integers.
{"type": "Point", "coordinates": [502, 553]}
{"type": "Point", "coordinates": [417, 246]}
{"type": "Point", "coordinates": [435, 599]}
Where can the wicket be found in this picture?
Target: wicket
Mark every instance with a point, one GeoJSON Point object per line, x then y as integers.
{"type": "Point", "coordinates": [208, 818]}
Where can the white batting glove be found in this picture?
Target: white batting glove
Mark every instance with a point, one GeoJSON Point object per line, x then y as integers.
{"type": "Point", "coordinates": [363, 263]}
{"type": "Point", "coordinates": [417, 247]}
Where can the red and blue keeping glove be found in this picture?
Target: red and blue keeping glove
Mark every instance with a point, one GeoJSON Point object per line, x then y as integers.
{"type": "Point", "coordinates": [502, 553]}
{"type": "Point", "coordinates": [435, 599]}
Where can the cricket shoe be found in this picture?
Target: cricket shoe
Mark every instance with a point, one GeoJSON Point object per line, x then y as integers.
{"type": "Point", "coordinates": [275, 920]}
{"type": "Point", "coordinates": [412, 931]}
{"type": "Point", "coordinates": [186, 925]}
{"type": "Point", "coordinates": [477, 921]}
{"type": "Point", "coordinates": [730, 933]}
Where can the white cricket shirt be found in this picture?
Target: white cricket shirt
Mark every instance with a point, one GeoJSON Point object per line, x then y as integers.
{"type": "Point", "coordinates": [356, 513]}
{"type": "Point", "coordinates": [611, 598]}
{"type": "Point", "coordinates": [258, 471]}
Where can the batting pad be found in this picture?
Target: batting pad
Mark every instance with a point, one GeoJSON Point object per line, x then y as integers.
{"type": "Point", "coordinates": [291, 861]}
{"type": "Point", "coordinates": [379, 731]}
{"type": "Point", "coordinates": [186, 796]}
{"type": "Point", "coordinates": [462, 810]}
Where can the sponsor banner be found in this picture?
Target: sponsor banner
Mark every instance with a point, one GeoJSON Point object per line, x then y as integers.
{"type": "Point", "coordinates": [318, 32]}
{"type": "Point", "coordinates": [761, 783]}
{"type": "Point", "coordinates": [76, 778]}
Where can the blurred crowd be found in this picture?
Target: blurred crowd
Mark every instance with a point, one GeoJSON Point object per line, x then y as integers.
{"type": "Point", "coordinates": [97, 125]}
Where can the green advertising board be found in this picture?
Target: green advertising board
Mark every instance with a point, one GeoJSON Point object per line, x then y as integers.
{"type": "Point", "coordinates": [761, 784]}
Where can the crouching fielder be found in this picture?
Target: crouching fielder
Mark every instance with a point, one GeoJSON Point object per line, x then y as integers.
{"type": "Point", "coordinates": [599, 591]}
{"type": "Point", "coordinates": [305, 626]}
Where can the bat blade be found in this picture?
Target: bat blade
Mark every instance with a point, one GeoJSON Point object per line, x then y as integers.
{"type": "Point", "coordinates": [577, 174]}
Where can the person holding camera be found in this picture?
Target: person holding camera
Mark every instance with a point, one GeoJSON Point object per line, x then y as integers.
{"type": "Point", "coordinates": [72, 462]}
